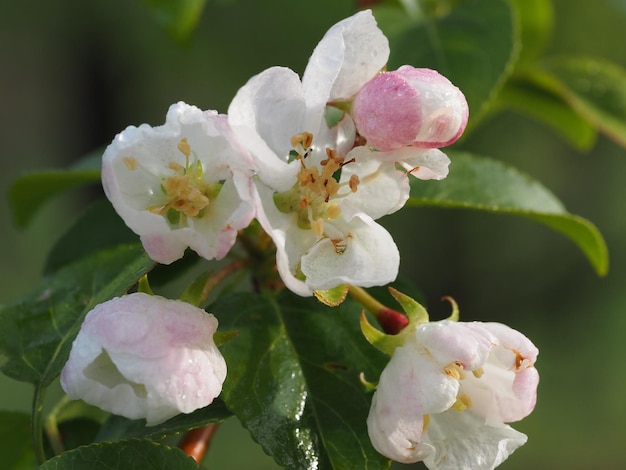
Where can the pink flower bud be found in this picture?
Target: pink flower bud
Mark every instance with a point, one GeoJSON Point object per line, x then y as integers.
{"type": "Point", "coordinates": [144, 356]}
{"type": "Point", "coordinates": [410, 106]}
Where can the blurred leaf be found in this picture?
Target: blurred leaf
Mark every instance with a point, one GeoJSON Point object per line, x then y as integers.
{"type": "Point", "coordinates": [29, 192]}
{"type": "Point", "coordinates": [134, 454]}
{"type": "Point", "coordinates": [549, 108]}
{"type": "Point", "coordinates": [293, 379]}
{"type": "Point", "coordinates": [38, 330]}
{"type": "Point", "coordinates": [484, 184]}
{"type": "Point", "coordinates": [99, 227]}
{"type": "Point", "coordinates": [535, 18]}
{"type": "Point", "coordinates": [15, 443]}
{"type": "Point", "coordinates": [594, 88]}
{"type": "Point", "coordinates": [118, 427]}
{"type": "Point", "coordinates": [178, 17]}
{"type": "Point", "coordinates": [474, 46]}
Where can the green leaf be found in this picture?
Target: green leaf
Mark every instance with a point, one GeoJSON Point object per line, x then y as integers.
{"type": "Point", "coordinates": [15, 444]}
{"type": "Point", "coordinates": [474, 45]}
{"type": "Point", "coordinates": [178, 17]}
{"type": "Point", "coordinates": [593, 87]}
{"type": "Point", "coordinates": [118, 427]}
{"type": "Point", "coordinates": [29, 192]}
{"type": "Point", "coordinates": [37, 331]}
{"type": "Point", "coordinates": [134, 454]}
{"type": "Point", "coordinates": [535, 101]}
{"type": "Point", "coordinates": [535, 18]}
{"type": "Point", "coordinates": [293, 379]}
{"type": "Point", "coordinates": [484, 184]}
{"type": "Point", "coordinates": [99, 227]}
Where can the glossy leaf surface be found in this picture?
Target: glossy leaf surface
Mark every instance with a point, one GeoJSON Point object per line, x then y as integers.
{"type": "Point", "coordinates": [293, 379]}
{"type": "Point", "coordinates": [31, 191]}
{"type": "Point", "coordinates": [37, 332]}
{"type": "Point", "coordinates": [483, 184]}
{"type": "Point", "coordinates": [134, 454]}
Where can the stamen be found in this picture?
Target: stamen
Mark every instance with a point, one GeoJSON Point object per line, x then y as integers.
{"type": "Point", "coordinates": [184, 147]}
{"type": "Point", "coordinates": [454, 370]}
{"type": "Point", "coordinates": [478, 373]}
{"type": "Point", "coordinates": [462, 402]}
{"type": "Point", "coordinates": [130, 163]}
{"type": "Point", "coordinates": [353, 183]}
{"type": "Point", "coordinates": [340, 245]}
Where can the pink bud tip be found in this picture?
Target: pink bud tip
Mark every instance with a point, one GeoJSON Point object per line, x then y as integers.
{"type": "Point", "coordinates": [410, 106]}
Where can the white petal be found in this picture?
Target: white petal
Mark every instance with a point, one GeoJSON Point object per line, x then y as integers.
{"type": "Point", "coordinates": [463, 441]}
{"type": "Point", "coordinates": [265, 113]}
{"type": "Point", "coordinates": [382, 188]}
{"type": "Point", "coordinates": [352, 52]}
{"type": "Point", "coordinates": [451, 342]}
{"type": "Point", "coordinates": [291, 242]}
{"type": "Point", "coordinates": [423, 164]}
{"type": "Point", "coordinates": [410, 387]}
{"type": "Point", "coordinates": [369, 257]}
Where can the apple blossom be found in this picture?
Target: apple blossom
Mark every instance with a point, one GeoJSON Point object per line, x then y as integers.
{"type": "Point", "coordinates": [183, 184]}
{"type": "Point", "coordinates": [317, 195]}
{"type": "Point", "coordinates": [410, 106]}
{"type": "Point", "coordinates": [447, 393]}
{"type": "Point", "coordinates": [144, 356]}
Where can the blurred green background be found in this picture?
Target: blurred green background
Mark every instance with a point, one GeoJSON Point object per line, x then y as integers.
{"type": "Point", "coordinates": [75, 73]}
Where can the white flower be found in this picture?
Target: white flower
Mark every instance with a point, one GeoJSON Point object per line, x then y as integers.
{"type": "Point", "coordinates": [317, 197]}
{"type": "Point", "coordinates": [143, 356]}
{"type": "Point", "coordinates": [447, 393]}
{"type": "Point", "coordinates": [183, 184]}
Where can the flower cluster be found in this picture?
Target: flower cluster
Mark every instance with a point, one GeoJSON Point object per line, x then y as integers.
{"type": "Point", "coordinates": [316, 189]}
{"type": "Point", "coordinates": [316, 161]}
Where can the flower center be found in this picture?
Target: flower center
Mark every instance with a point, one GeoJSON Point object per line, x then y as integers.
{"type": "Point", "coordinates": [313, 198]}
{"type": "Point", "coordinates": [186, 193]}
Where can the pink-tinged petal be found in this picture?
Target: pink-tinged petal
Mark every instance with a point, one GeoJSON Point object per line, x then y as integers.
{"type": "Point", "coordinates": [362, 253]}
{"type": "Point", "coordinates": [410, 387]}
{"type": "Point", "coordinates": [387, 112]}
{"type": "Point", "coordinates": [444, 108]}
{"type": "Point", "coordinates": [350, 53]}
{"type": "Point", "coordinates": [463, 441]}
{"type": "Point", "coordinates": [410, 106]}
{"type": "Point", "coordinates": [507, 391]}
{"type": "Point", "coordinates": [143, 356]}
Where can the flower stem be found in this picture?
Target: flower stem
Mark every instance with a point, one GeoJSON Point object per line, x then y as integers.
{"type": "Point", "coordinates": [391, 321]}
{"type": "Point", "coordinates": [37, 424]}
{"type": "Point", "coordinates": [195, 443]}
{"type": "Point", "coordinates": [217, 278]}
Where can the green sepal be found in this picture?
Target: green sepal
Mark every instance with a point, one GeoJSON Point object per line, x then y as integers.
{"type": "Point", "coordinates": [416, 313]}
{"type": "Point", "coordinates": [222, 337]}
{"type": "Point", "coordinates": [332, 297]}
{"type": "Point", "coordinates": [381, 341]}
{"type": "Point", "coordinates": [194, 293]}
{"type": "Point", "coordinates": [144, 286]}
{"type": "Point", "coordinates": [369, 386]}
{"type": "Point", "coordinates": [454, 316]}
